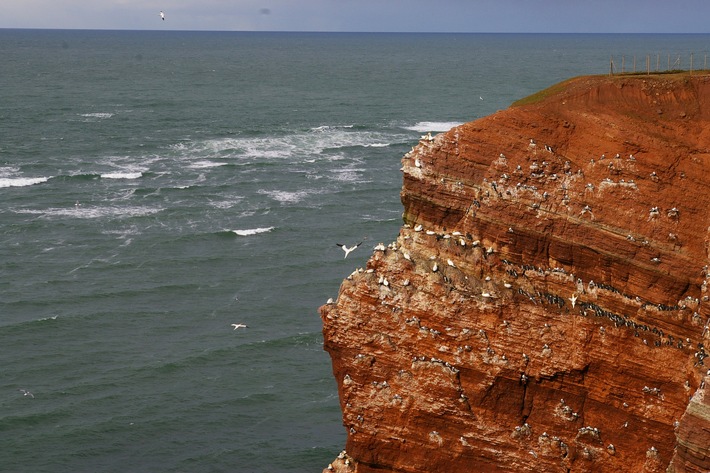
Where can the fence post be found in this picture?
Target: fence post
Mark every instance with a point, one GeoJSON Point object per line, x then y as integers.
{"type": "Point", "coordinates": [674, 66]}
{"type": "Point", "coordinates": [691, 64]}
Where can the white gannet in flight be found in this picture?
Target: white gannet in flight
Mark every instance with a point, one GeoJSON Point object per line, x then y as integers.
{"type": "Point", "coordinates": [236, 326]}
{"type": "Point", "coordinates": [162, 15]}
{"type": "Point", "coordinates": [348, 250]}
{"type": "Point", "coordinates": [26, 393]}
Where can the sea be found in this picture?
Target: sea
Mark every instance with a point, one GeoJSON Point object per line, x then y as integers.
{"type": "Point", "coordinates": [157, 187]}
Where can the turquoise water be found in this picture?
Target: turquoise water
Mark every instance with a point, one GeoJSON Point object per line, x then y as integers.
{"type": "Point", "coordinates": [158, 187]}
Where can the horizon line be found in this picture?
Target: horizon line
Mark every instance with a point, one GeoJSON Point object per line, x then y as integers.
{"type": "Point", "coordinates": [353, 32]}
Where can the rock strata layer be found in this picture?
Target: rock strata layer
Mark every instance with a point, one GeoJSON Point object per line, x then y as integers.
{"type": "Point", "coordinates": [545, 304]}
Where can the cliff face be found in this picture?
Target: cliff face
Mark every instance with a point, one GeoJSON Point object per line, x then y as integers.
{"type": "Point", "coordinates": [545, 305]}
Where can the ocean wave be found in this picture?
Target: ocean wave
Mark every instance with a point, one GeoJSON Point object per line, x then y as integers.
{"type": "Point", "coordinates": [7, 171]}
{"type": "Point", "coordinates": [423, 127]}
{"type": "Point", "coordinates": [21, 181]}
{"type": "Point", "coordinates": [206, 164]}
{"type": "Point", "coordinates": [286, 197]}
{"type": "Point", "coordinates": [225, 204]}
{"type": "Point", "coordinates": [79, 211]}
{"type": "Point", "coordinates": [78, 177]}
{"type": "Point", "coordinates": [97, 115]}
{"type": "Point", "coordinates": [252, 231]}
{"type": "Point", "coordinates": [122, 175]}
{"type": "Point", "coordinates": [330, 127]}
{"type": "Point", "coordinates": [298, 143]}
{"type": "Point", "coordinates": [20, 324]}
{"type": "Point", "coordinates": [348, 175]}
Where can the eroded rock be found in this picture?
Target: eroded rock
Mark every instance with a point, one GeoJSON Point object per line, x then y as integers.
{"type": "Point", "coordinates": [538, 315]}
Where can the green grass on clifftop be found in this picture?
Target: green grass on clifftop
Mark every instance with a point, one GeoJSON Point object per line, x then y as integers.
{"type": "Point", "coordinates": [561, 86]}
{"type": "Point", "coordinates": [543, 94]}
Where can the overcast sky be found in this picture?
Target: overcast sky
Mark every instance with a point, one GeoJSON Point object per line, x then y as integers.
{"type": "Point", "coordinates": [539, 16]}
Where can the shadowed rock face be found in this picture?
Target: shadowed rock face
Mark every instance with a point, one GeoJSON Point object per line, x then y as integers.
{"type": "Point", "coordinates": [545, 305]}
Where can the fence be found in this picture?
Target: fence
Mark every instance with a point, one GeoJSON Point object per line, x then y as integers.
{"type": "Point", "coordinates": [675, 66]}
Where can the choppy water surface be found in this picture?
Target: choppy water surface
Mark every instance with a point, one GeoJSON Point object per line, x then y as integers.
{"type": "Point", "coordinates": [158, 187]}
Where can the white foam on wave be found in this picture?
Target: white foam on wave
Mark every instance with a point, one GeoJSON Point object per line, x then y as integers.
{"type": "Point", "coordinates": [286, 197]}
{"type": "Point", "coordinates": [330, 127]}
{"type": "Point", "coordinates": [348, 175]}
{"type": "Point", "coordinates": [225, 204]}
{"type": "Point", "coordinates": [252, 231]}
{"type": "Point", "coordinates": [423, 127]}
{"type": "Point", "coordinates": [206, 164]}
{"type": "Point", "coordinates": [122, 175]}
{"type": "Point", "coordinates": [21, 181]}
{"type": "Point", "coordinates": [7, 171]}
{"type": "Point", "coordinates": [92, 212]}
{"type": "Point", "coordinates": [97, 115]}
{"type": "Point", "coordinates": [124, 233]}
{"type": "Point", "coordinates": [298, 144]}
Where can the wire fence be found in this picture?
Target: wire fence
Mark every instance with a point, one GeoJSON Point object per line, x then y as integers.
{"type": "Point", "coordinates": [658, 64]}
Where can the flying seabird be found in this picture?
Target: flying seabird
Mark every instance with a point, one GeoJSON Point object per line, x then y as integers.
{"type": "Point", "coordinates": [236, 326]}
{"type": "Point", "coordinates": [162, 15]}
{"type": "Point", "coordinates": [26, 393]}
{"type": "Point", "coordinates": [346, 249]}
{"type": "Point", "coordinates": [573, 299]}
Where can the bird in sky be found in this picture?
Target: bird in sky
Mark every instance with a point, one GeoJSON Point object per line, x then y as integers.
{"type": "Point", "coordinates": [162, 15]}
{"type": "Point", "coordinates": [236, 326]}
{"type": "Point", "coordinates": [347, 249]}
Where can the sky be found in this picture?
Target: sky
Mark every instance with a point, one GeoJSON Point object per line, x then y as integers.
{"type": "Point", "coordinates": [441, 16]}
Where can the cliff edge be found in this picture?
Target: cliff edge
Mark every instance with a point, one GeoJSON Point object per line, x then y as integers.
{"type": "Point", "coordinates": [545, 304]}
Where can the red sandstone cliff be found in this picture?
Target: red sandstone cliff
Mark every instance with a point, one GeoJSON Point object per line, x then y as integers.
{"type": "Point", "coordinates": [545, 305]}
